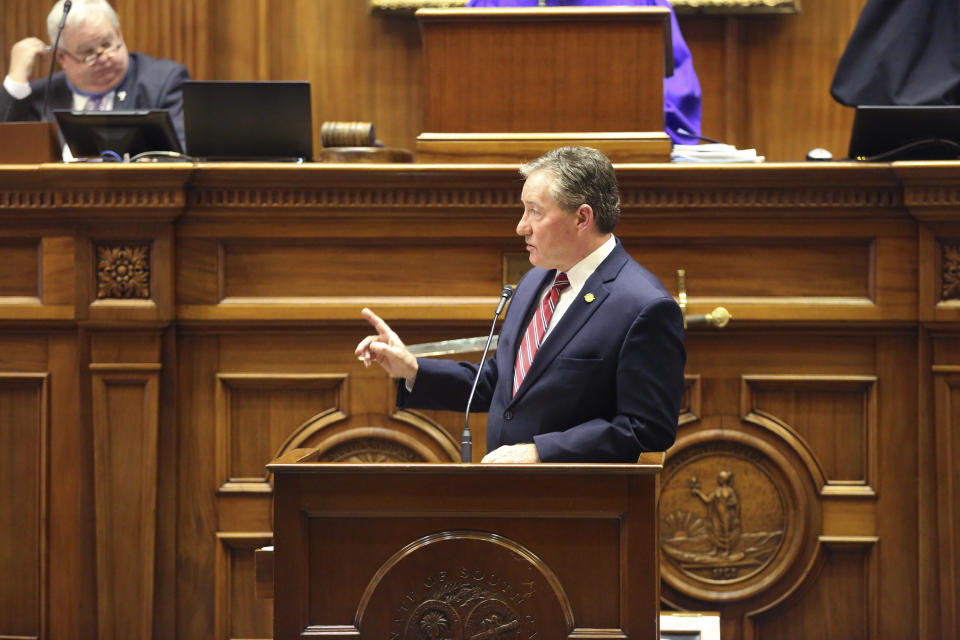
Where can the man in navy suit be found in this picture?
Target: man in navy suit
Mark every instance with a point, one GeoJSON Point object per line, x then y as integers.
{"type": "Point", "coordinates": [606, 382]}
{"type": "Point", "coordinates": [98, 72]}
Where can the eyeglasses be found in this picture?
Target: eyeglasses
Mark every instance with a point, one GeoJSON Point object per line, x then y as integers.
{"type": "Point", "coordinates": [92, 58]}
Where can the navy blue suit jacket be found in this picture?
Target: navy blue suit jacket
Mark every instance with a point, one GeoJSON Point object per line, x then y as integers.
{"type": "Point", "coordinates": [606, 384]}
{"type": "Point", "coordinates": [150, 83]}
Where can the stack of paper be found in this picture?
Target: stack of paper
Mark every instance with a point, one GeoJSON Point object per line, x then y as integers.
{"type": "Point", "coordinates": [712, 153]}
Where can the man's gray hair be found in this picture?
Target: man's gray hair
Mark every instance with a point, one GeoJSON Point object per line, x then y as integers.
{"type": "Point", "coordinates": [582, 175]}
{"type": "Point", "coordinates": [82, 11]}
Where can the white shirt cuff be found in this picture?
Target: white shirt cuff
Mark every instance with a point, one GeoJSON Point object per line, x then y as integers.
{"type": "Point", "coordinates": [18, 90]}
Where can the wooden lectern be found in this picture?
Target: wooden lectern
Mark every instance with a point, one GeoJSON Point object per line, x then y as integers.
{"type": "Point", "coordinates": [509, 84]}
{"type": "Point", "coordinates": [457, 551]}
{"type": "Point", "coordinates": [29, 143]}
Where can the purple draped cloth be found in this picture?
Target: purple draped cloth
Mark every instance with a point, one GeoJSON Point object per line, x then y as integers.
{"type": "Point", "coordinates": [681, 91]}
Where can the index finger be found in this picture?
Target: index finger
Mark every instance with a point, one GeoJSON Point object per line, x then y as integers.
{"type": "Point", "coordinates": [375, 320]}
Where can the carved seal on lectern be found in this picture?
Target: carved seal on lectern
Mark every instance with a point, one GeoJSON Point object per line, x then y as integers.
{"type": "Point", "coordinates": [464, 585]}
{"type": "Point", "coordinates": [467, 610]}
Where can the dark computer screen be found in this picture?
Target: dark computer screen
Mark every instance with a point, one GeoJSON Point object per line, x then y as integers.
{"type": "Point", "coordinates": [90, 133]}
{"type": "Point", "coordinates": [883, 133]}
{"type": "Point", "coordinates": [248, 120]}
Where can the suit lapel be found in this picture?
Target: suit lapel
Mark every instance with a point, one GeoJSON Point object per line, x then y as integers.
{"type": "Point", "coordinates": [60, 95]}
{"type": "Point", "coordinates": [575, 317]}
{"type": "Point", "coordinates": [123, 95]}
{"type": "Point", "coordinates": [526, 300]}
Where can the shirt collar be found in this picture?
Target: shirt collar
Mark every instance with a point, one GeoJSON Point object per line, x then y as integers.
{"type": "Point", "coordinates": [579, 272]}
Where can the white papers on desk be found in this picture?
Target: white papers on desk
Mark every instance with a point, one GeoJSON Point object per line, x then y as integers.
{"type": "Point", "coordinates": [712, 153]}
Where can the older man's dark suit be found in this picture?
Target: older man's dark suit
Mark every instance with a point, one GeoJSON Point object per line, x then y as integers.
{"type": "Point", "coordinates": [606, 384]}
{"type": "Point", "coordinates": [150, 83]}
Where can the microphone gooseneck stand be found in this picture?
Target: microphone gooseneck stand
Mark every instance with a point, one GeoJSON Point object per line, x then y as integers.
{"type": "Point", "coordinates": [53, 59]}
{"type": "Point", "coordinates": [466, 439]}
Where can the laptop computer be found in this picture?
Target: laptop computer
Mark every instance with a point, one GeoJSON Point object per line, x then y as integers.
{"type": "Point", "coordinates": [266, 121]}
{"type": "Point", "coordinates": [883, 133]}
{"type": "Point", "coordinates": [91, 133]}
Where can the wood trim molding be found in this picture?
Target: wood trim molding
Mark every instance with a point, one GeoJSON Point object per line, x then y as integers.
{"type": "Point", "coordinates": [866, 385]}
{"type": "Point", "coordinates": [37, 522]}
{"type": "Point", "coordinates": [681, 6]}
{"type": "Point", "coordinates": [125, 435]}
{"type": "Point", "coordinates": [227, 383]}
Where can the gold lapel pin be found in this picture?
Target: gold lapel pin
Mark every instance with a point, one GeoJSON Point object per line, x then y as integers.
{"type": "Point", "coordinates": [589, 297]}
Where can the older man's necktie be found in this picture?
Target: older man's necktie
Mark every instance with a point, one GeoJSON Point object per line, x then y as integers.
{"type": "Point", "coordinates": [94, 103]}
{"type": "Point", "coordinates": [537, 330]}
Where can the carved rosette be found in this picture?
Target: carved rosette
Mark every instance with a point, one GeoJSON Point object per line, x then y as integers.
{"type": "Point", "coordinates": [727, 521]}
{"type": "Point", "coordinates": [123, 272]}
{"type": "Point", "coordinates": [950, 272]}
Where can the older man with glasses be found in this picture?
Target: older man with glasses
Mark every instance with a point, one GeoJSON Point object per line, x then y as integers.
{"type": "Point", "coordinates": [99, 74]}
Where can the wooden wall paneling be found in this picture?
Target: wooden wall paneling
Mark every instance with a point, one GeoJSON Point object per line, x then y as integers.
{"type": "Point", "coordinates": [947, 446]}
{"type": "Point", "coordinates": [72, 586]}
{"type": "Point", "coordinates": [197, 518]}
{"type": "Point", "coordinates": [897, 482]}
{"type": "Point", "coordinates": [125, 422]}
{"type": "Point", "coordinates": [838, 422]}
{"type": "Point", "coordinates": [304, 388]}
{"type": "Point", "coordinates": [510, 64]}
{"type": "Point", "coordinates": [928, 574]}
{"type": "Point", "coordinates": [834, 418]}
{"type": "Point", "coordinates": [57, 264]}
{"type": "Point", "coordinates": [36, 281]}
{"type": "Point", "coordinates": [174, 29]}
{"type": "Point", "coordinates": [845, 580]}
{"type": "Point", "coordinates": [237, 41]}
{"type": "Point", "coordinates": [25, 492]}
{"type": "Point", "coordinates": [933, 197]}
{"type": "Point", "coordinates": [317, 268]}
{"type": "Point", "coordinates": [18, 20]}
{"type": "Point", "coordinates": [733, 109]}
{"type": "Point", "coordinates": [259, 415]}
{"type": "Point", "coordinates": [362, 67]}
{"type": "Point", "coordinates": [167, 548]}
{"type": "Point", "coordinates": [276, 391]}
{"type": "Point", "coordinates": [20, 277]}
{"type": "Point", "coordinates": [125, 370]}
{"type": "Point", "coordinates": [934, 284]}
{"type": "Point", "coordinates": [237, 217]}
{"type": "Point", "coordinates": [876, 282]}
{"type": "Point", "coordinates": [240, 614]}
{"type": "Point", "coordinates": [791, 61]}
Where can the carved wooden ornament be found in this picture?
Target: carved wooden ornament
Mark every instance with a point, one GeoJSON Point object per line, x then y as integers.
{"type": "Point", "coordinates": [727, 521]}
{"type": "Point", "coordinates": [123, 272]}
{"type": "Point", "coordinates": [464, 584]}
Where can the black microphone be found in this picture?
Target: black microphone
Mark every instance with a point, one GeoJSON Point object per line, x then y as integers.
{"type": "Point", "coordinates": [684, 132]}
{"type": "Point", "coordinates": [53, 57]}
{"type": "Point", "coordinates": [466, 440]}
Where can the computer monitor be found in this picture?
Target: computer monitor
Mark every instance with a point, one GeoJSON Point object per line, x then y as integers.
{"type": "Point", "coordinates": [883, 133]}
{"type": "Point", "coordinates": [90, 133]}
{"type": "Point", "coordinates": [248, 120]}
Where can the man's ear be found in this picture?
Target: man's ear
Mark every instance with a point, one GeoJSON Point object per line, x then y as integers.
{"type": "Point", "coordinates": [584, 215]}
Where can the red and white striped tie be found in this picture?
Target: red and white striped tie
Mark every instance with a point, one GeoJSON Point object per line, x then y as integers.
{"type": "Point", "coordinates": [537, 330]}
